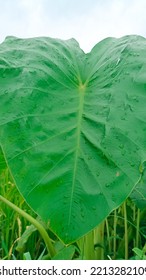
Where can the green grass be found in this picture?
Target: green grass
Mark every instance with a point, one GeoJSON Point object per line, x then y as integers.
{"type": "Point", "coordinates": [12, 226]}
{"type": "Point", "coordinates": [123, 230]}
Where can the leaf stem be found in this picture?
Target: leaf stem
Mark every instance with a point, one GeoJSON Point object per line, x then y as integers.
{"type": "Point", "coordinates": [33, 221]}
{"type": "Point", "coordinates": [89, 253]}
{"type": "Point", "coordinates": [137, 228]}
{"type": "Point", "coordinates": [126, 230]}
{"type": "Point", "coordinates": [115, 234]}
{"type": "Point", "coordinates": [99, 241]}
{"type": "Point", "coordinates": [108, 235]}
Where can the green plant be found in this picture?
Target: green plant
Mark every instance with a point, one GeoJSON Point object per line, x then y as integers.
{"type": "Point", "coordinates": [109, 240]}
{"type": "Point", "coordinates": [12, 225]}
{"type": "Point", "coordinates": [72, 128]}
{"type": "Point", "coordinates": [139, 254]}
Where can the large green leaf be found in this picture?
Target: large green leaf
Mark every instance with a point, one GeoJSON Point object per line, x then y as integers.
{"type": "Point", "coordinates": [73, 126]}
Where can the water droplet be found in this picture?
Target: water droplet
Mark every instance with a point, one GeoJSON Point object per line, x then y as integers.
{"type": "Point", "coordinates": [113, 198]}
{"type": "Point", "coordinates": [121, 146]}
{"type": "Point", "coordinates": [82, 215]}
{"type": "Point", "coordinates": [123, 153]}
{"type": "Point", "coordinates": [94, 208]}
{"type": "Point", "coordinates": [135, 54]}
{"type": "Point", "coordinates": [104, 146]}
{"type": "Point", "coordinates": [97, 174]}
{"type": "Point", "coordinates": [64, 202]}
{"type": "Point", "coordinates": [118, 61]}
{"type": "Point", "coordinates": [3, 75]}
{"type": "Point", "coordinates": [62, 103]}
{"type": "Point", "coordinates": [135, 98]}
{"type": "Point", "coordinates": [89, 158]}
{"type": "Point", "coordinates": [76, 202]}
{"type": "Point", "coordinates": [123, 118]}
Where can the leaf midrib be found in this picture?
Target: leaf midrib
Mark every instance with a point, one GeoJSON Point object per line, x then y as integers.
{"type": "Point", "coordinates": [81, 93]}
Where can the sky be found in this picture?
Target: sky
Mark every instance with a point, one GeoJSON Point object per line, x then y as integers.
{"type": "Point", "coordinates": [88, 21]}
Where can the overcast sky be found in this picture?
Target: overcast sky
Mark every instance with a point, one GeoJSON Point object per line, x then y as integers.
{"type": "Point", "coordinates": [88, 21]}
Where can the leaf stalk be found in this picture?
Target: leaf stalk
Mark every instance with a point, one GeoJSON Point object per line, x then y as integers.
{"type": "Point", "coordinates": [33, 221]}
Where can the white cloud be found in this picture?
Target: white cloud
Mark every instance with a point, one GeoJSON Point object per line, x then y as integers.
{"type": "Point", "coordinates": [88, 21]}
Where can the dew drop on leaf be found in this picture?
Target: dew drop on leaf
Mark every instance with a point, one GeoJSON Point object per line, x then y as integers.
{"type": "Point", "coordinates": [97, 174]}
{"type": "Point", "coordinates": [64, 202]}
{"type": "Point", "coordinates": [89, 158]}
{"type": "Point", "coordinates": [123, 153]}
{"type": "Point", "coordinates": [3, 75]}
{"type": "Point", "coordinates": [121, 146]}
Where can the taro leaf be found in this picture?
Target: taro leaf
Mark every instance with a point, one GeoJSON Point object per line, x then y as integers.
{"type": "Point", "coordinates": [73, 126]}
{"type": "Point", "coordinates": [138, 195]}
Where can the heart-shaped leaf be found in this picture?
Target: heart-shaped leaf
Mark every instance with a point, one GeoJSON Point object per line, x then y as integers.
{"type": "Point", "coordinates": [73, 126]}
